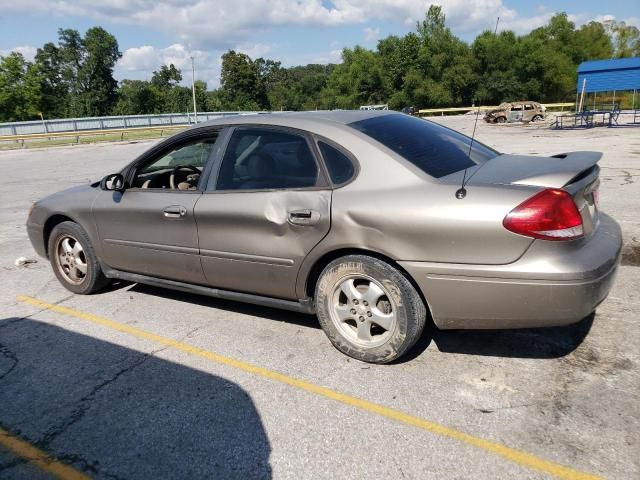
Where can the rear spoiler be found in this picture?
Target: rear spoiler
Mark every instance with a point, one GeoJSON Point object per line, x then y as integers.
{"type": "Point", "coordinates": [548, 172]}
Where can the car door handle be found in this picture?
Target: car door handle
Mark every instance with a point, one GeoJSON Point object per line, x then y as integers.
{"type": "Point", "coordinates": [304, 217]}
{"type": "Point", "coordinates": [175, 211]}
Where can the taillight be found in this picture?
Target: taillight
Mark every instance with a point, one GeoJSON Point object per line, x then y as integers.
{"type": "Point", "coordinates": [550, 215]}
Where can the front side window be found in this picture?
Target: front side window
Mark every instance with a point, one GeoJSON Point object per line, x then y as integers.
{"type": "Point", "coordinates": [434, 149]}
{"type": "Point", "coordinates": [180, 169]}
{"type": "Point", "coordinates": [265, 159]}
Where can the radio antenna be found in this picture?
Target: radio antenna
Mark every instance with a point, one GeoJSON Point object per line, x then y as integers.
{"type": "Point", "coordinates": [462, 192]}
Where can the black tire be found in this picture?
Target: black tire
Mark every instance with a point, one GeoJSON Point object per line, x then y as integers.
{"type": "Point", "coordinates": [93, 280]}
{"type": "Point", "coordinates": [405, 302]}
{"type": "Point", "coordinates": [537, 118]}
{"type": "Point", "coordinates": [501, 120]}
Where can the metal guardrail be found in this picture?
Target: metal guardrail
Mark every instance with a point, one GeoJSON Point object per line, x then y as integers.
{"type": "Point", "coordinates": [140, 121]}
{"type": "Point", "coordinates": [442, 111]}
{"type": "Point", "coordinates": [90, 133]}
{"type": "Point", "coordinates": [108, 123]}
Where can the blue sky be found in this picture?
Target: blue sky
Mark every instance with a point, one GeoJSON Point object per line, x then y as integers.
{"type": "Point", "coordinates": [155, 32]}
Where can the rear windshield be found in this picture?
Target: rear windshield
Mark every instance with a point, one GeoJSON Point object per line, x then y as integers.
{"type": "Point", "coordinates": [434, 149]}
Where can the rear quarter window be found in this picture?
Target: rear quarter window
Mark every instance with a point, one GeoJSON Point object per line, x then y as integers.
{"type": "Point", "coordinates": [339, 165]}
{"type": "Point", "coordinates": [436, 150]}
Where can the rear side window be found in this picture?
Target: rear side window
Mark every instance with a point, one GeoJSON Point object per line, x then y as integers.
{"type": "Point", "coordinates": [434, 149]}
{"type": "Point", "coordinates": [264, 159]}
{"type": "Point", "coordinates": [340, 167]}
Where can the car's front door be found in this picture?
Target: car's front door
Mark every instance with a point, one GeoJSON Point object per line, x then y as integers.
{"type": "Point", "coordinates": [265, 208]}
{"type": "Point", "coordinates": [150, 228]}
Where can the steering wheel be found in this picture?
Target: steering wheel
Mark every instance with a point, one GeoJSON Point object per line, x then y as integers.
{"type": "Point", "coordinates": [172, 179]}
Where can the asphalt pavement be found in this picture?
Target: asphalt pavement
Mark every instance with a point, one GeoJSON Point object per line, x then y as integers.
{"type": "Point", "coordinates": [139, 382]}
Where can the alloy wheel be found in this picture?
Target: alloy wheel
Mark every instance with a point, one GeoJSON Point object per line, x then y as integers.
{"type": "Point", "coordinates": [70, 259]}
{"type": "Point", "coordinates": [363, 311]}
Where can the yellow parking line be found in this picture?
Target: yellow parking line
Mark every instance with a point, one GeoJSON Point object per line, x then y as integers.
{"type": "Point", "coordinates": [39, 458]}
{"type": "Point", "coordinates": [519, 457]}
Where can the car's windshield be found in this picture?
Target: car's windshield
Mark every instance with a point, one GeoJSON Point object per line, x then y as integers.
{"type": "Point", "coordinates": [436, 150]}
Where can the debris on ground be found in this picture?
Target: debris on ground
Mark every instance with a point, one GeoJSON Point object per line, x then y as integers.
{"type": "Point", "coordinates": [23, 261]}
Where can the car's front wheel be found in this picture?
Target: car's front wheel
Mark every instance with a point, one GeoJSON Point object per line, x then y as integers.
{"type": "Point", "coordinates": [369, 309]}
{"type": "Point", "coordinates": [73, 260]}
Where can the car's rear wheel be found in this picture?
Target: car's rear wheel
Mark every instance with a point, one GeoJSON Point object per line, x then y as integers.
{"type": "Point", "coordinates": [369, 309]}
{"type": "Point", "coordinates": [73, 259]}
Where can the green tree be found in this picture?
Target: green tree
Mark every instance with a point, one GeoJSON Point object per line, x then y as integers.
{"type": "Point", "coordinates": [20, 94]}
{"type": "Point", "coordinates": [398, 55]}
{"type": "Point", "coordinates": [166, 90]}
{"type": "Point", "coordinates": [54, 88]}
{"type": "Point", "coordinates": [168, 76]}
{"type": "Point", "coordinates": [201, 95]}
{"type": "Point", "coordinates": [358, 80]}
{"type": "Point", "coordinates": [86, 69]}
{"type": "Point", "coordinates": [136, 97]}
{"type": "Point", "coordinates": [594, 41]}
{"type": "Point", "coordinates": [547, 60]}
{"type": "Point", "coordinates": [239, 79]}
{"type": "Point", "coordinates": [429, 67]}
{"type": "Point", "coordinates": [100, 54]}
{"type": "Point", "coordinates": [625, 38]}
{"type": "Point", "coordinates": [495, 64]}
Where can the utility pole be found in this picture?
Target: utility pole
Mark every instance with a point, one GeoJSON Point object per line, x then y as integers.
{"type": "Point", "coordinates": [495, 32]}
{"type": "Point", "coordinates": [44, 125]}
{"type": "Point", "coordinates": [584, 86]}
{"type": "Point", "coordinates": [193, 90]}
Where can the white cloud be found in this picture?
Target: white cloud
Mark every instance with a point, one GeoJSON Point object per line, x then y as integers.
{"type": "Point", "coordinates": [204, 28]}
{"type": "Point", "coordinates": [255, 50]}
{"type": "Point", "coordinates": [141, 62]}
{"type": "Point", "coordinates": [180, 56]}
{"type": "Point", "coordinates": [634, 21]}
{"type": "Point", "coordinates": [225, 23]}
{"type": "Point", "coordinates": [604, 18]}
{"type": "Point", "coordinates": [334, 56]}
{"type": "Point", "coordinates": [371, 34]}
{"type": "Point", "coordinates": [27, 51]}
{"type": "Point", "coordinates": [523, 24]}
{"type": "Point", "coordinates": [139, 58]}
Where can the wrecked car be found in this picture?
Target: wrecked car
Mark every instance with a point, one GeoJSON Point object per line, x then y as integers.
{"type": "Point", "coordinates": [516, 112]}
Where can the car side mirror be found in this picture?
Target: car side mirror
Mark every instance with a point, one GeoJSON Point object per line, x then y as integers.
{"type": "Point", "coordinates": [113, 182]}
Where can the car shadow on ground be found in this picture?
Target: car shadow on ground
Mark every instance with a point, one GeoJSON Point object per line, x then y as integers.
{"type": "Point", "coordinates": [274, 314]}
{"type": "Point", "coordinates": [115, 412]}
{"type": "Point", "coordinates": [551, 342]}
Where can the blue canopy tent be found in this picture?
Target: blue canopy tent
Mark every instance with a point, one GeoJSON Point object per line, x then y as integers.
{"type": "Point", "coordinates": [616, 75]}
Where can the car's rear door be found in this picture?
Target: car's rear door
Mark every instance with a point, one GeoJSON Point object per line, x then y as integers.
{"type": "Point", "coordinates": [150, 228]}
{"type": "Point", "coordinates": [266, 206]}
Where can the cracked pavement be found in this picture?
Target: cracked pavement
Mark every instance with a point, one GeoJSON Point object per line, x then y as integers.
{"type": "Point", "coordinates": [121, 407]}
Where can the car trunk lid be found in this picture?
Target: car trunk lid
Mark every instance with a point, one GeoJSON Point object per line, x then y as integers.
{"type": "Point", "coordinates": [575, 172]}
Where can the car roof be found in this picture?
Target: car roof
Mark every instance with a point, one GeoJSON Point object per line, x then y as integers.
{"type": "Point", "coordinates": [305, 120]}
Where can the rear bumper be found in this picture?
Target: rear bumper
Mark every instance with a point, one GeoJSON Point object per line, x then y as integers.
{"type": "Point", "coordinates": [553, 283]}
